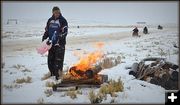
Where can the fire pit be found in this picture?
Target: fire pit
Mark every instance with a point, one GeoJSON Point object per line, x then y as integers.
{"type": "Point", "coordinates": [85, 72]}
{"type": "Point", "coordinates": [78, 78]}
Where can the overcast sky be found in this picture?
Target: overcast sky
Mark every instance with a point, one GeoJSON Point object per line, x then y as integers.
{"type": "Point", "coordinates": [117, 12]}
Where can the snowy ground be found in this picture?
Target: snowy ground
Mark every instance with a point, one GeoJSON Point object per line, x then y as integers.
{"type": "Point", "coordinates": [117, 43]}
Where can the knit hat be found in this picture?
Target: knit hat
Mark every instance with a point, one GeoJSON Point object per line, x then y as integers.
{"type": "Point", "coordinates": [56, 9]}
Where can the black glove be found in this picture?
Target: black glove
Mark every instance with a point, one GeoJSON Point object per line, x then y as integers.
{"type": "Point", "coordinates": [48, 42]}
{"type": "Point", "coordinates": [45, 36]}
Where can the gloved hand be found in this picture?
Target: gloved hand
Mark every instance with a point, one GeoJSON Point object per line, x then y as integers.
{"type": "Point", "coordinates": [48, 42]}
{"type": "Point", "coordinates": [45, 36]}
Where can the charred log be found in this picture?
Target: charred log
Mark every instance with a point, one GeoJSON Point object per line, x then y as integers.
{"type": "Point", "coordinates": [134, 69]}
{"type": "Point", "coordinates": [92, 72]}
{"type": "Point", "coordinates": [173, 75]}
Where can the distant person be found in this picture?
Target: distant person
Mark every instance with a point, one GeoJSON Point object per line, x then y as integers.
{"type": "Point", "coordinates": [145, 30]}
{"type": "Point", "coordinates": [160, 27]}
{"type": "Point", "coordinates": [56, 30]}
{"type": "Point", "coordinates": [135, 32]}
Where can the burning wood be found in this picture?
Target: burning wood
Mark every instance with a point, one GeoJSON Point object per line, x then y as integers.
{"type": "Point", "coordinates": [89, 73]}
{"type": "Point", "coordinates": [85, 67]}
{"type": "Point", "coordinates": [85, 71]}
{"type": "Point", "coordinates": [159, 72]}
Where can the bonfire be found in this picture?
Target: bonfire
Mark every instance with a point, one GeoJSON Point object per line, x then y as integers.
{"type": "Point", "coordinates": [86, 70]}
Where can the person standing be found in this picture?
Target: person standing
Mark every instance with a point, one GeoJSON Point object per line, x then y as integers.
{"type": "Point", "coordinates": [56, 30]}
{"type": "Point", "coordinates": [135, 32]}
{"type": "Point", "coordinates": [145, 30]}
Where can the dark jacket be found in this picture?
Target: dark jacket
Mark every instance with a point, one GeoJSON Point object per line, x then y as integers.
{"type": "Point", "coordinates": [136, 30]}
{"type": "Point", "coordinates": [62, 30]}
{"type": "Point", "coordinates": [145, 30]}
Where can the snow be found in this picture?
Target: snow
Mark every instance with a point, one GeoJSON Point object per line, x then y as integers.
{"type": "Point", "coordinates": [29, 28]}
{"type": "Point", "coordinates": [118, 42]}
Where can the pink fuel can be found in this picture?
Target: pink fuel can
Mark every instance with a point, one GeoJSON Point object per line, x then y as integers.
{"type": "Point", "coordinates": [43, 48]}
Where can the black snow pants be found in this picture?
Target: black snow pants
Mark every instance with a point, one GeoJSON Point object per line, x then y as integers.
{"type": "Point", "coordinates": [55, 60]}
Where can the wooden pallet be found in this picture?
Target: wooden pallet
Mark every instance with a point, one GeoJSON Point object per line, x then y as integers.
{"type": "Point", "coordinates": [76, 86]}
{"type": "Point", "coordinates": [86, 83]}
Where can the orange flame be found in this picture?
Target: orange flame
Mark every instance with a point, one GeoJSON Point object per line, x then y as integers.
{"type": "Point", "coordinates": [88, 60]}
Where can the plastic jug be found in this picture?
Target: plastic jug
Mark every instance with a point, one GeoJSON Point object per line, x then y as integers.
{"type": "Point", "coordinates": [43, 48]}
